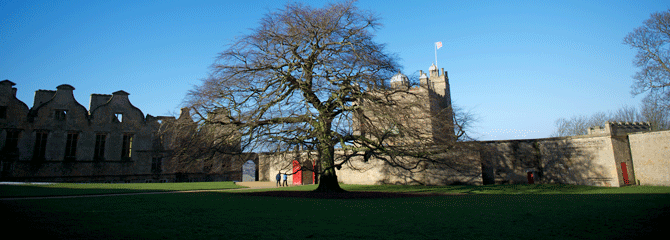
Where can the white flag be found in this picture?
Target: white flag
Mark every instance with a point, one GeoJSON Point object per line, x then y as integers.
{"type": "Point", "coordinates": [438, 44]}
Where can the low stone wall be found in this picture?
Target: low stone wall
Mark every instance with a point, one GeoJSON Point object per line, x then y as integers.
{"type": "Point", "coordinates": [596, 160]}
{"type": "Point", "coordinates": [575, 160]}
{"type": "Point", "coordinates": [377, 171]}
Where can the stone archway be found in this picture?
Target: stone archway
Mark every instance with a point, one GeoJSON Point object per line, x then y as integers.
{"type": "Point", "coordinates": [308, 173]}
{"type": "Point", "coordinates": [249, 171]}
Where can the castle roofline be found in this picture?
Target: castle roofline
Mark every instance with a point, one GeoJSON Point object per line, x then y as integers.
{"type": "Point", "coordinates": [65, 87]}
{"type": "Point", "coordinates": [6, 81]}
{"type": "Point", "coordinates": [121, 92]}
{"type": "Point", "coordinates": [399, 77]}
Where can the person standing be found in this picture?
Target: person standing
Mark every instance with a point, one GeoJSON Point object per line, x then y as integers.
{"type": "Point", "coordinates": [278, 177]}
{"type": "Point", "coordinates": [285, 178]}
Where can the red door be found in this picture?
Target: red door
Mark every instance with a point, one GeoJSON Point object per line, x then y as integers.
{"type": "Point", "coordinates": [531, 180]}
{"type": "Point", "coordinates": [624, 172]}
{"type": "Point", "coordinates": [297, 174]}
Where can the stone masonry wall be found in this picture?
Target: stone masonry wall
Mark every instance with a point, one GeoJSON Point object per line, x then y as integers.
{"type": "Point", "coordinates": [584, 160]}
{"type": "Point", "coordinates": [376, 171]}
{"type": "Point", "coordinates": [573, 160]}
{"type": "Point", "coordinates": [651, 157]}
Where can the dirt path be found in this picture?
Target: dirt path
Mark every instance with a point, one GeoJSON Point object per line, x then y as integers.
{"type": "Point", "coordinates": [257, 184]}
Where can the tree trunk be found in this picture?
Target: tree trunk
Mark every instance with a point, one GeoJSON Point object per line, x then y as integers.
{"type": "Point", "coordinates": [328, 177]}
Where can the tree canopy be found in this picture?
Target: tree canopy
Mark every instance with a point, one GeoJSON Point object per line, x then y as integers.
{"type": "Point", "coordinates": [652, 42]}
{"type": "Point", "coordinates": [308, 78]}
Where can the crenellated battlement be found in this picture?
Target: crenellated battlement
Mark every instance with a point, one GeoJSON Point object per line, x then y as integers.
{"type": "Point", "coordinates": [620, 128]}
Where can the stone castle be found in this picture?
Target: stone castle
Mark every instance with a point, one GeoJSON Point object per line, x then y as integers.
{"type": "Point", "coordinates": [617, 154]}
{"type": "Point", "coordinates": [425, 108]}
{"type": "Point", "coordinates": [60, 140]}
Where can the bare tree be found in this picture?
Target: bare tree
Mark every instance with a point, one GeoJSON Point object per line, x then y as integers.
{"type": "Point", "coordinates": [650, 111]}
{"type": "Point", "coordinates": [304, 77]}
{"type": "Point", "coordinates": [623, 114]}
{"type": "Point", "coordinates": [652, 42]}
{"type": "Point", "coordinates": [654, 110]}
{"type": "Point", "coordinates": [575, 125]}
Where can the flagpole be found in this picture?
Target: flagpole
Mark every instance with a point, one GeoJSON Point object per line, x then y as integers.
{"type": "Point", "coordinates": [435, 44]}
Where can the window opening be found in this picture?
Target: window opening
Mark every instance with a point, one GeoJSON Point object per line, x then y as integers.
{"type": "Point", "coordinates": [126, 149]}
{"type": "Point", "coordinates": [3, 112]}
{"type": "Point", "coordinates": [60, 114]}
{"type": "Point", "coordinates": [11, 140]}
{"type": "Point", "coordinates": [71, 146]}
{"type": "Point", "coordinates": [156, 164]}
{"type": "Point", "coordinates": [39, 150]}
{"type": "Point", "coordinates": [100, 140]}
{"type": "Point", "coordinates": [119, 117]}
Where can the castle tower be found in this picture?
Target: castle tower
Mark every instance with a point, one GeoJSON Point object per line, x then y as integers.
{"type": "Point", "coordinates": [399, 81]}
{"type": "Point", "coordinates": [433, 71]}
{"type": "Point", "coordinates": [423, 79]}
{"type": "Point", "coordinates": [439, 82]}
{"type": "Point", "coordinates": [440, 95]}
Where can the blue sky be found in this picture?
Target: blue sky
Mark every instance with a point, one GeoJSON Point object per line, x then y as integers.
{"type": "Point", "coordinates": [518, 65]}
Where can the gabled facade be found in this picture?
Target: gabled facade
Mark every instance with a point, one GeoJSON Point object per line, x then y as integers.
{"type": "Point", "coordinates": [59, 140]}
{"type": "Point", "coordinates": [13, 122]}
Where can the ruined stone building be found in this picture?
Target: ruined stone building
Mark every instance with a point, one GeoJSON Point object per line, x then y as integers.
{"type": "Point", "coordinates": [59, 140]}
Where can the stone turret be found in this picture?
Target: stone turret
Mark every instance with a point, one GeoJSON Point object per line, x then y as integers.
{"type": "Point", "coordinates": [433, 71]}
{"type": "Point", "coordinates": [399, 81]}
{"type": "Point", "coordinates": [423, 79]}
{"type": "Point", "coordinates": [439, 82]}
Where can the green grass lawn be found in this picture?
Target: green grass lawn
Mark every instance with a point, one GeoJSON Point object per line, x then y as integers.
{"type": "Point", "coordinates": [69, 189]}
{"type": "Point", "coordinates": [482, 212]}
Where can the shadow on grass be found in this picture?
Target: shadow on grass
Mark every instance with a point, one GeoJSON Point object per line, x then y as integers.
{"type": "Point", "coordinates": [512, 189]}
{"type": "Point", "coordinates": [207, 215]}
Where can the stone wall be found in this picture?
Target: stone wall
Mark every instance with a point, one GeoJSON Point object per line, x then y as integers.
{"type": "Point", "coordinates": [594, 160]}
{"type": "Point", "coordinates": [651, 157]}
{"type": "Point", "coordinates": [377, 171]}
{"type": "Point", "coordinates": [573, 160]}
{"type": "Point", "coordinates": [269, 164]}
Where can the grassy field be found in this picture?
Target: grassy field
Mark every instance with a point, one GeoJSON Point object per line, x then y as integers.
{"type": "Point", "coordinates": [481, 212]}
{"type": "Point", "coordinates": [69, 189]}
